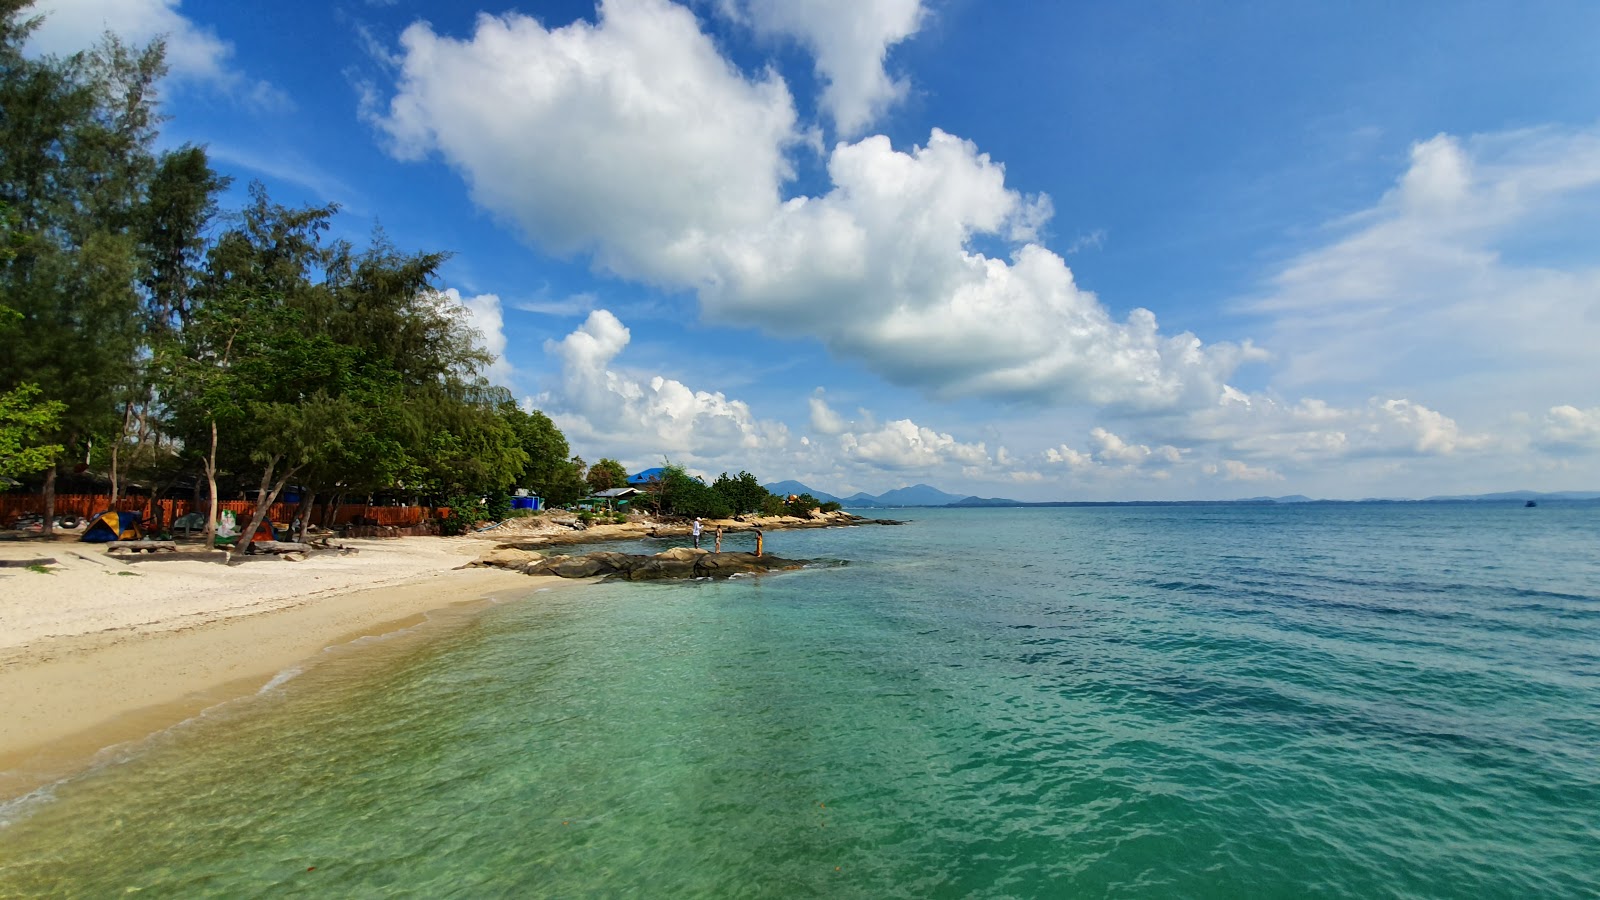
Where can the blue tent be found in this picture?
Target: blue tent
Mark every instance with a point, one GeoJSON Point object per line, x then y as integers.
{"type": "Point", "coordinates": [647, 476]}
{"type": "Point", "coordinates": [113, 526]}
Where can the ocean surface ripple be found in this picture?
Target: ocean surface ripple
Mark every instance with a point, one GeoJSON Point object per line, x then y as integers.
{"type": "Point", "coordinates": [1277, 701]}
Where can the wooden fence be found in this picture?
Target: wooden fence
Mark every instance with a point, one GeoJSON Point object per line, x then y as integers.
{"type": "Point", "coordinates": [14, 505]}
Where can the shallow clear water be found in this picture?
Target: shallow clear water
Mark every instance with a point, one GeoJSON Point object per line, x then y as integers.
{"type": "Point", "coordinates": [1360, 701]}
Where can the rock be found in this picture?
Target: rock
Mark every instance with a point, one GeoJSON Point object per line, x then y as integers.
{"type": "Point", "coordinates": [679, 562]}
{"type": "Point", "coordinates": [506, 558]}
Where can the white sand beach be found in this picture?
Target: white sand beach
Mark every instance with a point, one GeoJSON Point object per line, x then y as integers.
{"type": "Point", "coordinates": [101, 649]}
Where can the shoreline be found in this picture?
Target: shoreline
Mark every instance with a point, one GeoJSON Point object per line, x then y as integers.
{"type": "Point", "coordinates": [90, 662]}
{"type": "Point", "coordinates": [101, 652]}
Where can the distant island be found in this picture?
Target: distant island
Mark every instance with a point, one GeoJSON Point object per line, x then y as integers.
{"type": "Point", "coordinates": [925, 495]}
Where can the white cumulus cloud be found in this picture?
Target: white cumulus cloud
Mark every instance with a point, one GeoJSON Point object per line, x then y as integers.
{"type": "Point", "coordinates": [634, 140]}
{"type": "Point", "coordinates": [1569, 429]}
{"type": "Point", "coordinates": [849, 40]}
{"type": "Point", "coordinates": [650, 415]}
{"type": "Point", "coordinates": [903, 444]}
{"type": "Point", "coordinates": [631, 138]}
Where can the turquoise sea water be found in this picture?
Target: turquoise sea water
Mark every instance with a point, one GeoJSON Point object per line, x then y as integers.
{"type": "Point", "coordinates": [1344, 701]}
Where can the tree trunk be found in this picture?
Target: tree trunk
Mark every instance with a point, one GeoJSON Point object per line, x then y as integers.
{"type": "Point", "coordinates": [116, 450]}
{"type": "Point", "coordinates": [265, 499]}
{"type": "Point", "coordinates": [211, 487]}
{"type": "Point", "coordinates": [302, 513]}
{"type": "Point", "coordinates": [50, 501]}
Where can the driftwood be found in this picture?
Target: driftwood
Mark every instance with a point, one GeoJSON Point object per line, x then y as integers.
{"type": "Point", "coordinates": [279, 547]}
{"type": "Point", "coordinates": [24, 563]}
{"type": "Point", "coordinates": [141, 546]}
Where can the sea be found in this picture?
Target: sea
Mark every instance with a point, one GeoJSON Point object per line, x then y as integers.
{"type": "Point", "coordinates": [1313, 700]}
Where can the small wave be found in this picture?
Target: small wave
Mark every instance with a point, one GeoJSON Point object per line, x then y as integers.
{"type": "Point", "coordinates": [280, 679]}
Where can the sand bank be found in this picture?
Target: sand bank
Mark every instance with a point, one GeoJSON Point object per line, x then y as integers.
{"type": "Point", "coordinates": [100, 651]}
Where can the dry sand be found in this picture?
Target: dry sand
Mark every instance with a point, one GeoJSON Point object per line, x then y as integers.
{"type": "Point", "coordinates": [103, 649]}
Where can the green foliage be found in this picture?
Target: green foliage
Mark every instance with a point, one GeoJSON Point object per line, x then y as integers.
{"type": "Point", "coordinates": [496, 505]}
{"type": "Point", "coordinates": [24, 420]}
{"type": "Point", "coordinates": [548, 470]}
{"type": "Point", "coordinates": [606, 474]}
{"type": "Point", "coordinates": [684, 495]}
{"type": "Point", "coordinates": [743, 494]}
{"type": "Point", "coordinates": [586, 517]}
{"type": "Point", "coordinates": [465, 512]}
{"type": "Point", "coordinates": [801, 505]}
{"type": "Point", "coordinates": [772, 505]}
{"type": "Point", "coordinates": [75, 159]}
{"type": "Point", "coordinates": [832, 506]}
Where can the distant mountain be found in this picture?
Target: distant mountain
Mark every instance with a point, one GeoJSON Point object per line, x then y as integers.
{"type": "Point", "coordinates": [785, 488]}
{"type": "Point", "coordinates": [987, 501]}
{"type": "Point", "coordinates": [917, 495]}
{"type": "Point", "coordinates": [1292, 498]}
{"type": "Point", "coordinates": [1524, 495]}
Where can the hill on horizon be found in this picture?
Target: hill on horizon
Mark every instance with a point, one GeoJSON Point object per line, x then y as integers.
{"type": "Point", "coordinates": [914, 495]}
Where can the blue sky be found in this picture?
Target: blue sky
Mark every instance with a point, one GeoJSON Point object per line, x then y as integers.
{"type": "Point", "coordinates": [1163, 250]}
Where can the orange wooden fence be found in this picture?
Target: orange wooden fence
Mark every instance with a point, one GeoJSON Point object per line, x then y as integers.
{"type": "Point", "coordinates": [14, 505]}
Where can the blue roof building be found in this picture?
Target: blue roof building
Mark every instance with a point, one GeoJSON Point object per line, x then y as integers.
{"type": "Point", "coordinates": [647, 476]}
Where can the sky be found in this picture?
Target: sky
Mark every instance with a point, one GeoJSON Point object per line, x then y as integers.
{"type": "Point", "coordinates": [1063, 251]}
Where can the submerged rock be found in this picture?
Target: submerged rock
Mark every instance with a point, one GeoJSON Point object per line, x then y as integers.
{"type": "Point", "coordinates": [679, 562]}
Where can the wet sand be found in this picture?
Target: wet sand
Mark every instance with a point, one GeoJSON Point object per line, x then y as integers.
{"type": "Point", "coordinates": [97, 651]}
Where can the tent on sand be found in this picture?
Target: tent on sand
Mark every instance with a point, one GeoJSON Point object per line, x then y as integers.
{"type": "Point", "coordinates": [112, 526]}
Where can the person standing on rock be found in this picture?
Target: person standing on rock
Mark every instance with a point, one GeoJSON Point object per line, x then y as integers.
{"type": "Point", "coordinates": [695, 530]}
{"type": "Point", "coordinates": [719, 539]}
{"type": "Point", "coordinates": [758, 542]}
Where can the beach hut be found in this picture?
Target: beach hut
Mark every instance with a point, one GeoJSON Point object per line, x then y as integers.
{"type": "Point", "coordinates": [614, 498]}
{"type": "Point", "coordinates": [112, 526]}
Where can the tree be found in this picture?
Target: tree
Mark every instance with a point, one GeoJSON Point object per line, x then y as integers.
{"type": "Point", "coordinates": [23, 421]}
{"type": "Point", "coordinates": [743, 494]}
{"type": "Point", "coordinates": [607, 474]}
{"type": "Point", "coordinates": [75, 161]}
{"type": "Point", "coordinates": [683, 494]}
{"type": "Point", "coordinates": [550, 471]}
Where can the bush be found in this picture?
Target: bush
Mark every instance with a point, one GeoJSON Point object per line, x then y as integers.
{"type": "Point", "coordinates": [801, 506]}
{"type": "Point", "coordinates": [465, 512]}
{"type": "Point", "coordinates": [772, 505]}
{"type": "Point", "coordinates": [586, 517]}
{"type": "Point", "coordinates": [832, 506]}
{"type": "Point", "coordinates": [685, 495]}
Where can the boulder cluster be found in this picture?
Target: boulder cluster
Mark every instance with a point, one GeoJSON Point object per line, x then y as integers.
{"type": "Point", "coordinates": [679, 562]}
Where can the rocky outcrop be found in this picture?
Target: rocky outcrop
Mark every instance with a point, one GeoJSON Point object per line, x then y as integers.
{"type": "Point", "coordinates": [680, 562]}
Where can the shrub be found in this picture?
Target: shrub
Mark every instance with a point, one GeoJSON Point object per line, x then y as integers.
{"type": "Point", "coordinates": [586, 517]}
{"type": "Point", "coordinates": [801, 505]}
{"type": "Point", "coordinates": [832, 506]}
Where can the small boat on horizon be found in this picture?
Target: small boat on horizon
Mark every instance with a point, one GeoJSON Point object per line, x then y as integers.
{"type": "Point", "coordinates": [1530, 503]}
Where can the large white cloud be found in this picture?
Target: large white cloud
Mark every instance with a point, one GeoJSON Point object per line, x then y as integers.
{"type": "Point", "coordinates": [194, 52]}
{"type": "Point", "coordinates": [635, 140]}
{"type": "Point", "coordinates": [644, 417]}
{"type": "Point", "coordinates": [903, 444]}
{"type": "Point", "coordinates": [631, 138]}
{"type": "Point", "coordinates": [849, 39]}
